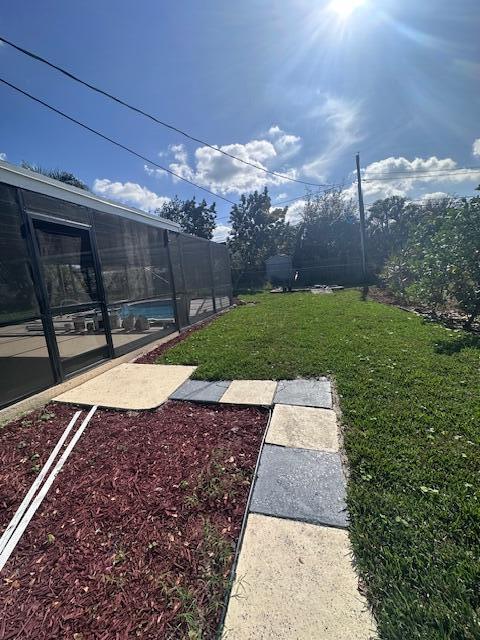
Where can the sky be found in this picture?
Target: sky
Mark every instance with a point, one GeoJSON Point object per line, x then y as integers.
{"type": "Point", "coordinates": [296, 86]}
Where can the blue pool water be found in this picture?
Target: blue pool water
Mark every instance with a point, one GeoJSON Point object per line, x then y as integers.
{"type": "Point", "coordinates": [159, 310]}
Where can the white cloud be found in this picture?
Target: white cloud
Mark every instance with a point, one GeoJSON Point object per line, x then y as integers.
{"type": "Point", "coordinates": [179, 152]}
{"type": "Point", "coordinates": [476, 147]}
{"type": "Point", "coordinates": [221, 232]}
{"type": "Point", "coordinates": [342, 120]}
{"type": "Point", "coordinates": [390, 177]}
{"type": "Point", "coordinates": [215, 170]}
{"type": "Point", "coordinates": [154, 172]}
{"type": "Point", "coordinates": [220, 173]}
{"type": "Point", "coordinates": [129, 193]}
{"type": "Point", "coordinates": [294, 213]}
{"type": "Point", "coordinates": [3, 156]}
{"type": "Point", "coordinates": [274, 131]}
{"type": "Point", "coordinates": [436, 195]}
{"type": "Point", "coordinates": [286, 144]}
{"type": "Point", "coordinates": [281, 196]}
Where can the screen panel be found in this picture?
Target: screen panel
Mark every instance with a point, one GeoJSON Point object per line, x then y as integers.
{"type": "Point", "coordinates": [67, 264]}
{"type": "Point", "coordinates": [136, 276]}
{"type": "Point", "coordinates": [198, 277]}
{"type": "Point", "coordinates": [17, 291]}
{"type": "Point", "coordinates": [24, 359]}
{"type": "Point", "coordinates": [133, 257]}
{"type": "Point", "coordinates": [55, 207]}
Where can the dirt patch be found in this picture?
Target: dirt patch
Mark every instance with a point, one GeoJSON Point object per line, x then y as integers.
{"type": "Point", "coordinates": [136, 536]}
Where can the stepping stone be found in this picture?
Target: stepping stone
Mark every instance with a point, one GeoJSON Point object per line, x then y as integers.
{"type": "Point", "coordinates": [129, 386]}
{"type": "Point", "coordinates": [308, 393]}
{"type": "Point", "coordinates": [201, 391]}
{"type": "Point", "coordinates": [300, 484]}
{"type": "Point", "coordinates": [295, 581]}
{"type": "Point", "coordinates": [256, 392]}
{"type": "Point", "coordinates": [303, 428]}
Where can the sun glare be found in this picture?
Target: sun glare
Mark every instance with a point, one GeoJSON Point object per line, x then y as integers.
{"type": "Point", "coordinates": [344, 8]}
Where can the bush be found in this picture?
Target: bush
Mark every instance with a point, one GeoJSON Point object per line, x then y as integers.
{"type": "Point", "coordinates": [440, 264]}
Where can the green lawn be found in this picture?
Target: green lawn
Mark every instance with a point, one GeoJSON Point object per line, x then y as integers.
{"type": "Point", "coordinates": [410, 396]}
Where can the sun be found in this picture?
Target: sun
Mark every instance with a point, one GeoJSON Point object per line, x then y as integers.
{"type": "Point", "coordinates": [344, 8]}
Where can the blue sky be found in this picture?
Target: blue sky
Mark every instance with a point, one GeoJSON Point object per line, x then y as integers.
{"type": "Point", "coordinates": [295, 85]}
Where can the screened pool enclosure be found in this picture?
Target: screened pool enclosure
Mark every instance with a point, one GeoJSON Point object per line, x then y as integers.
{"type": "Point", "coordinates": [83, 280]}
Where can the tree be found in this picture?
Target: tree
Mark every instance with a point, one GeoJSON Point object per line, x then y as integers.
{"type": "Point", "coordinates": [440, 263]}
{"type": "Point", "coordinates": [197, 219]}
{"type": "Point", "coordinates": [328, 241]}
{"type": "Point", "coordinates": [257, 232]}
{"type": "Point", "coordinates": [57, 174]}
{"type": "Point", "coordinates": [389, 225]}
{"type": "Point", "coordinates": [171, 210]}
{"type": "Point", "coordinates": [455, 249]}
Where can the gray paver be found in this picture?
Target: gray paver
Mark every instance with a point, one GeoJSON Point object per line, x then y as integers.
{"type": "Point", "coordinates": [201, 391]}
{"type": "Point", "coordinates": [300, 484]}
{"type": "Point", "coordinates": [308, 393]}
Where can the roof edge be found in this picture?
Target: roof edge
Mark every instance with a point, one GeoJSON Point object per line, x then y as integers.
{"type": "Point", "coordinates": [25, 179]}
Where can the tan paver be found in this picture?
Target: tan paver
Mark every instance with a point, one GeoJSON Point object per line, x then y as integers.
{"type": "Point", "coordinates": [259, 392]}
{"type": "Point", "coordinates": [295, 581]}
{"type": "Point", "coordinates": [303, 428]}
{"type": "Point", "coordinates": [130, 386]}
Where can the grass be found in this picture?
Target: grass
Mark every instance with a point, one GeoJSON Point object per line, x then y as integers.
{"type": "Point", "coordinates": [192, 618]}
{"type": "Point", "coordinates": [409, 392]}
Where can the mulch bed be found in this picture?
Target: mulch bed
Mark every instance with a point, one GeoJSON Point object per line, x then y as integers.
{"type": "Point", "coordinates": [136, 537]}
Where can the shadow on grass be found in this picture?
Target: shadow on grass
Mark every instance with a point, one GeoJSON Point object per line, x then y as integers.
{"type": "Point", "coordinates": [449, 347]}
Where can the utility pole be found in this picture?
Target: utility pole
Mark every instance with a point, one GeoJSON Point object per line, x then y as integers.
{"type": "Point", "coordinates": [362, 220]}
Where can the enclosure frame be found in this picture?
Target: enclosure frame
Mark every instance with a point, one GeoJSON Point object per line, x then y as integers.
{"type": "Point", "coordinates": [172, 290]}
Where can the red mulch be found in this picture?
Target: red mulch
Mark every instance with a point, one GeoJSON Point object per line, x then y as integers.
{"type": "Point", "coordinates": [135, 538]}
{"type": "Point", "coordinates": [24, 448]}
{"type": "Point", "coordinates": [152, 356]}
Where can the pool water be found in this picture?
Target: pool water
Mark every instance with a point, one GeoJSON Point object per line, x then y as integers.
{"type": "Point", "coordinates": [155, 310]}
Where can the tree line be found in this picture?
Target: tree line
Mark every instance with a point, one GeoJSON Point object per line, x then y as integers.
{"type": "Point", "coordinates": [425, 253]}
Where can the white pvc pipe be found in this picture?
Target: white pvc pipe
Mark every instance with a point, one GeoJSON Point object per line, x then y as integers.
{"type": "Point", "coordinates": [12, 543]}
{"type": "Point", "coordinates": [38, 481]}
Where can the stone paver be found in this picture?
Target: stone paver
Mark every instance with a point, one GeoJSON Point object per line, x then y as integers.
{"type": "Point", "coordinates": [307, 393]}
{"type": "Point", "coordinates": [300, 484]}
{"type": "Point", "coordinates": [295, 581]}
{"type": "Point", "coordinates": [129, 386]}
{"type": "Point", "coordinates": [303, 427]}
{"type": "Point", "coordinates": [259, 392]}
{"type": "Point", "coordinates": [201, 391]}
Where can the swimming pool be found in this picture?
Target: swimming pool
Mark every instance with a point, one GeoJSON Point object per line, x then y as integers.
{"type": "Point", "coordinates": [157, 309]}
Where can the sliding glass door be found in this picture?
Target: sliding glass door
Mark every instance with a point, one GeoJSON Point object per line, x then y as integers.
{"type": "Point", "coordinates": [76, 312]}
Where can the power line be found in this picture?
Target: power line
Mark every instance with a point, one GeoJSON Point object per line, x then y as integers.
{"type": "Point", "coordinates": [305, 196]}
{"type": "Point", "coordinates": [426, 201]}
{"type": "Point", "coordinates": [418, 175]}
{"type": "Point", "coordinates": [151, 117]}
{"type": "Point", "coordinates": [279, 204]}
{"type": "Point", "coordinates": [405, 171]}
{"type": "Point", "coordinates": [114, 142]}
